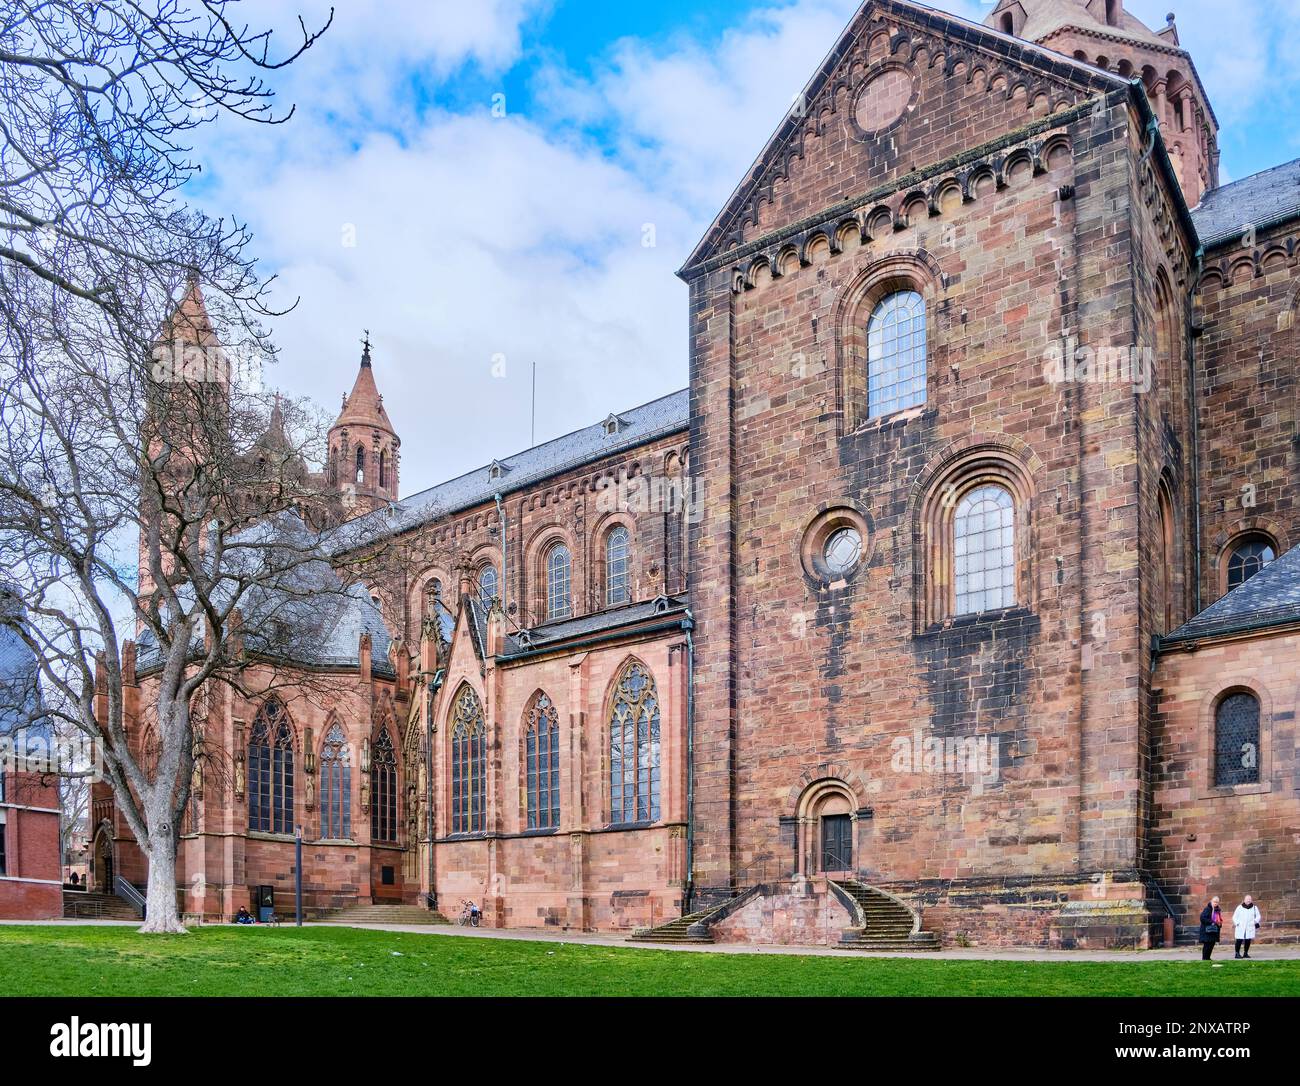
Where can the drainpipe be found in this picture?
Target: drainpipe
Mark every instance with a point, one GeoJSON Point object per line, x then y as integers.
{"type": "Point", "coordinates": [688, 624]}
{"type": "Point", "coordinates": [1196, 430]}
{"type": "Point", "coordinates": [501, 515]}
{"type": "Point", "coordinates": [1153, 130]}
{"type": "Point", "coordinates": [433, 685]}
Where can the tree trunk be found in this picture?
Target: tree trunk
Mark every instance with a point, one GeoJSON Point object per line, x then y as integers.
{"type": "Point", "coordinates": [161, 915]}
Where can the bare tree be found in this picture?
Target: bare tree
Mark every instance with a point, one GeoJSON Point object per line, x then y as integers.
{"type": "Point", "coordinates": [126, 443]}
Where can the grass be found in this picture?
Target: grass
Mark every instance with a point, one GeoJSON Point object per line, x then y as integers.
{"type": "Point", "coordinates": [116, 961]}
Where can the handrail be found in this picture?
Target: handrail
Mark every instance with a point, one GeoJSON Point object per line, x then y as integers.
{"type": "Point", "coordinates": [129, 894]}
{"type": "Point", "coordinates": [1150, 879]}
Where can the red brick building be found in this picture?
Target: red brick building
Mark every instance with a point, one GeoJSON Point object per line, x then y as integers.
{"type": "Point", "coordinates": [992, 398]}
{"type": "Point", "coordinates": [30, 848]}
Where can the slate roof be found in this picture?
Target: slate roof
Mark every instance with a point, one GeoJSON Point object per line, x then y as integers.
{"type": "Point", "coordinates": [20, 692]}
{"type": "Point", "coordinates": [555, 632]}
{"type": "Point", "coordinates": [1266, 197]}
{"type": "Point", "coordinates": [665, 415]}
{"type": "Point", "coordinates": [1270, 598]}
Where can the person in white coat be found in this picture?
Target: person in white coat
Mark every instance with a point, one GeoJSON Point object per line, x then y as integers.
{"type": "Point", "coordinates": [1246, 920]}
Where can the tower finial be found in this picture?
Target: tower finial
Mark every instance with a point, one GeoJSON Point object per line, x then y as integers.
{"type": "Point", "coordinates": [365, 348]}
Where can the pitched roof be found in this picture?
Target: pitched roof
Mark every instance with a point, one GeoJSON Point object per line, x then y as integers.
{"type": "Point", "coordinates": [20, 691]}
{"type": "Point", "coordinates": [955, 27]}
{"type": "Point", "coordinates": [1270, 598]}
{"type": "Point", "coordinates": [1264, 198]}
{"type": "Point", "coordinates": [666, 415]}
{"type": "Point", "coordinates": [553, 633]}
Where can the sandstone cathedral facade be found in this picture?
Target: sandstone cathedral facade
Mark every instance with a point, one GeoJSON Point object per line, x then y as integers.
{"type": "Point", "coordinates": [960, 579]}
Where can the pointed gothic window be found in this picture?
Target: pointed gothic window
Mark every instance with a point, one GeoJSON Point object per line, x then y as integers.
{"type": "Point", "coordinates": [896, 354]}
{"type": "Point", "coordinates": [270, 770]}
{"type": "Point", "coordinates": [468, 764]}
{"type": "Point", "coordinates": [634, 747]}
{"type": "Point", "coordinates": [361, 464]}
{"type": "Point", "coordinates": [542, 763]}
{"type": "Point", "coordinates": [558, 568]}
{"type": "Point", "coordinates": [618, 581]}
{"type": "Point", "coordinates": [984, 551]}
{"type": "Point", "coordinates": [383, 469]}
{"type": "Point", "coordinates": [1236, 740]}
{"type": "Point", "coordinates": [335, 786]}
{"type": "Point", "coordinates": [383, 789]}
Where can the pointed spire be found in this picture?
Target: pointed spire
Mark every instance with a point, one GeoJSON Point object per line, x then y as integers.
{"type": "Point", "coordinates": [365, 350]}
{"type": "Point", "coordinates": [364, 406]}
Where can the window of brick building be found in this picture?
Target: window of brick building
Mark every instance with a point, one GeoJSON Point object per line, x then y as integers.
{"type": "Point", "coordinates": [542, 763]}
{"type": "Point", "coordinates": [618, 573]}
{"type": "Point", "coordinates": [1247, 557]}
{"type": "Point", "coordinates": [634, 747]}
{"type": "Point", "coordinates": [984, 550]}
{"type": "Point", "coordinates": [1236, 740]}
{"type": "Point", "coordinates": [335, 786]}
{"type": "Point", "coordinates": [270, 770]}
{"type": "Point", "coordinates": [487, 584]}
{"type": "Point", "coordinates": [558, 572]}
{"type": "Point", "coordinates": [896, 363]}
{"type": "Point", "coordinates": [383, 789]}
{"type": "Point", "coordinates": [468, 769]}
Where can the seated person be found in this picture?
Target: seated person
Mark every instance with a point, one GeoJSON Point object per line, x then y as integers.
{"type": "Point", "coordinates": [243, 916]}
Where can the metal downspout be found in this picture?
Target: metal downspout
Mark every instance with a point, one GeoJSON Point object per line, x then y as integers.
{"type": "Point", "coordinates": [688, 624]}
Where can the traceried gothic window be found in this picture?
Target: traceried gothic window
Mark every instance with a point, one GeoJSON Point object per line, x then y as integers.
{"type": "Point", "coordinates": [335, 785]}
{"type": "Point", "coordinates": [383, 789]}
{"type": "Point", "coordinates": [468, 764]}
{"type": "Point", "coordinates": [984, 551]}
{"type": "Point", "coordinates": [1248, 558]}
{"type": "Point", "coordinates": [542, 763]}
{"type": "Point", "coordinates": [487, 583]}
{"type": "Point", "coordinates": [270, 770]}
{"type": "Point", "coordinates": [896, 366]}
{"type": "Point", "coordinates": [634, 747]}
{"type": "Point", "coordinates": [1236, 740]}
{"type": "Point", "coordinates": [618, 577]}
{"type": "Point", "coordinates": [558, 571]}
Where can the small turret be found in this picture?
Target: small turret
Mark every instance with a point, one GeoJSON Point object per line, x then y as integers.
{"type": "Point", "coordinates": [364, 456]}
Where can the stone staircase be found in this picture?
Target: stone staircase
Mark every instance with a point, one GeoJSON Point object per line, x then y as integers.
{"type": "Point", "coordinates": [887, 924]}
{"type": "Point", "coordinates": [395, 913]}
{"type": "Point", "coordinates": [89, 905]}
{"type": "Point", "coordinates": [676, 932]}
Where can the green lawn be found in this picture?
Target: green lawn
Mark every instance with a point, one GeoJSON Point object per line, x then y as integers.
{"type": "Point", "coordinates": [88, 960]}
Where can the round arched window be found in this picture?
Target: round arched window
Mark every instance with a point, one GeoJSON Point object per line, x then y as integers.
{"type": "Point", "coordinates": [842, 550]}
{"type": "Point", "coordinates": [896, 366]}
{"type": "Point", "coordinates": [1248, 557]}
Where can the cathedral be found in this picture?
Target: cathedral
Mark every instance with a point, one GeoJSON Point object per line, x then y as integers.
{"type": "Point", "coordinates": [952, 602]}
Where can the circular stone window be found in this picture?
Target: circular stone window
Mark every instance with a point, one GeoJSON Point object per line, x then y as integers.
{"type": "Point", "coordinates": [835, 544]}
{"type": "Point", "coordinates": [883, 99]}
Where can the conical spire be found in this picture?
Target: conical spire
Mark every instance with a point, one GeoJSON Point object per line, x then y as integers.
{"type": "Point", "coordinates": [364, 406]}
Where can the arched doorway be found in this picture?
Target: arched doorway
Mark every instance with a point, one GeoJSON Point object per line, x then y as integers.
{"type": "Point", "coordinates": [828, 821]}
{"type": "Point", "coordinates": [101, 861]}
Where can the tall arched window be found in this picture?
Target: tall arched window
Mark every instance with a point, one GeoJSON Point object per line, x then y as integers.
{"type": "Point", "coordinates": [542, 763]}
{"type": "Point", "coordinates": [270, 770]}
{"type": "Point", "coordinates": [558, 567]}
{"type": "Point", "coordinates": [634, 747]}
{"type": "Point", "coordinates": [383, 468]}
{"type": "Point", "coordinates": [335, 785]}
{"type": "Point", "coordinates": [896, 354]}
{"type": "Point", "coordinates": [1236, 740]}
{"type": "Point", "coordinates": [361, 464]}
{"type": "Point", "coordinates": [468, 764]}
{"type": "Point", "coordinates": [1248, 557]}
{"type": "Point", "coordinates": [487, 583]}
{"type": "Point", "coordinates": [1165, 580]}
{"type": "Point", "coordinates": [383, 789]}
{"type": "Point", "coordinates": [984, 550]}
{"type": "Point", "coordinates": [618, 575]}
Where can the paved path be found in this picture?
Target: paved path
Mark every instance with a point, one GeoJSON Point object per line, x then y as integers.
{"type": "Point", "coordinates": [1261, 951]}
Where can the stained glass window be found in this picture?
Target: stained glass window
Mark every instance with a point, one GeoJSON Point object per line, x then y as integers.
{"type": "Point", "coordinates": [1236, 740]}
{"type": "Point", "coordinates": [383, 789]}
{"type": "Point", "coordinates": [542, 763]}
{"type": "Point", "coordinates": [557, 582]}
{"type": "Point", "coordinates": [270, 770]}
{"type": "Point", "coordinates": [896, 354]}
{"type": "Point", "coordinates": [335, 785]}
{"type": "Point", "coordinates": [468, 764]}
{"type": "Point", "coordinates": [634, 747]}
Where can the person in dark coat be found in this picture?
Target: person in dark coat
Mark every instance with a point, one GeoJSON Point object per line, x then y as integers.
{"type": "Point", "coordinates": [1211, 926]}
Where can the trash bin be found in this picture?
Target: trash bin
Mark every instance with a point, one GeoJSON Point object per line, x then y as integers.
{"type": "Point", "coordinates": [264, 901]}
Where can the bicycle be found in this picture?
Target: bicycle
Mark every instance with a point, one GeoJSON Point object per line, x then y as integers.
{"type": "Point", "coordinates": [469, 914]}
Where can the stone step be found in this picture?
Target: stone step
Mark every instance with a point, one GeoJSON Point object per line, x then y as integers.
{"type": "Point", "coordinates": [83, 905]}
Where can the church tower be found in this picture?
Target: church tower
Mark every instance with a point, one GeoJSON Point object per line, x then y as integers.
{"type": "Point", "coordinates": [1102, 33]}
{"type": "Point", "coordinates": [363, 447]}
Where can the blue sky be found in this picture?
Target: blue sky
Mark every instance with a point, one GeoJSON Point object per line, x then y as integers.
{"type": "Point", "coordinates": [489, 184]}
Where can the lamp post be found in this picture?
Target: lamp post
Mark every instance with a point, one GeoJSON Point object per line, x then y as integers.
{"type": "Point", "coordinates": [297, 873]}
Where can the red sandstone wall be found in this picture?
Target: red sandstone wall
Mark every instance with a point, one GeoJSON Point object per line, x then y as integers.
{"type": "Point", "coordinates": [31, 886]}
